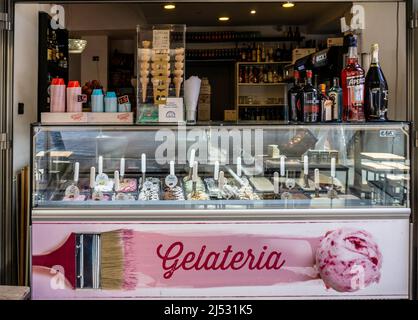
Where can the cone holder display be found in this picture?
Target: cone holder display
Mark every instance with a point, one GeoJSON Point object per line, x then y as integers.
{"type": "Point", "coordinates": [161, 65]}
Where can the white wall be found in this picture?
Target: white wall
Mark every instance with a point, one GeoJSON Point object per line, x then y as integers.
{"type": "Point", "coordinates": [382, 28]}
{"type": "Point", "coordinates": [74, 66]}
{"type": "Point", "coordinates": [25, 81]}
{"type": "Point", "coordinates": [91, 17]}
{"type": "Point", "coordinates": [93, 70]}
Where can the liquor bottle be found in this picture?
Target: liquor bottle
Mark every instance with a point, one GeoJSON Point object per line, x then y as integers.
{"type": "Point", "coordinates": [326, 104]}
{"type": "Point", "coordinates": [294, 96]}
{"type": "Point", "coordinates": [278, 57]}
{"type": "Point", "coordinates": [336, 95]}
{"type": "Point", "coordinates": [310, 101]}
{"type": "Point", "coordinates": [285, 53]}
{"type": "Point", "coordinates": [243, 55]}
{"type": "Point", "coordinates": [258, 53]}
{"type": "Point", "coordinates": [275, 77]}
{"type": "Point", "coordinates": [270, 75]}
{"type": "Point", "coordinates": [260, 75]}
{"type": "Point", "coordinates": [49, 46]}
{"type": "Point", "coordinates": [271, 55]}
{"type": "Point", "coordinates": [265, 75]}
{"type": "Point", "coordinates": [249, 53]}
{"type": "Point", "coordinates": [263, 53]}
{"type": "Point", "coordinates": [254, 53]}
{"type": "Point", "coordinates": [246, 75]}
{"type": "Point", "coordinates": [352, 77]}
{"type": "Point", "coordinates": [53, 46]}
{"type": "Point", "coordinates": [376, 95]}
{"type": "Point", "coordinates": [251, 75]}
{"type": "Point", "coordinates": [241, 75]}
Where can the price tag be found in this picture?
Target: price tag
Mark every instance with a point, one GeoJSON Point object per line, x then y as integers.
{"type": "Point", "coordinates": [82, 98]}
{"type": "Point", "coordinates": [123, 99]}
{"type": "Point", "coordinates": [161, 39]}
{"type": "Point", "coordinates": [171, 181]}
{"type": "Point", "coordinates": [387, 133]}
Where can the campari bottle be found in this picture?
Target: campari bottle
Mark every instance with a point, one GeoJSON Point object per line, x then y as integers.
{"type": "Point", "coordinates": [353, 81]}
{"type": "Point", "coordinates": [376, 95]}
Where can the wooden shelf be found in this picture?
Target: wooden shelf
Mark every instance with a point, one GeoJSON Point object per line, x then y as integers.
{"type": "Point", "coordinates": [248, 39]}
{"type": "Point", "coordinates": [256, 63]}
{"type": "Point", "coordinates": [210, 60]}
{"type": "Point", "coordinates": [263, 84]}
{"type": "Point", "coordinates": [256, 105]}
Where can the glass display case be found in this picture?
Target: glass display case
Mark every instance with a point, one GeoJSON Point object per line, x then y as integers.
{"type": "Point", "coordinates": [222, 166]}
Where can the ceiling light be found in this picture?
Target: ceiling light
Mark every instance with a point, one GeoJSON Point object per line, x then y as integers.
{"type": "Point", "coordinates": [223, 18]}
{"type": "Point", "coordinates": [253, 12]}
{"type": "Point", "coordinates": [76, 45]}
{"type": "Point", "coordinates": [169, 6]}
{"type": "Point", "coordinates": [288, 4]}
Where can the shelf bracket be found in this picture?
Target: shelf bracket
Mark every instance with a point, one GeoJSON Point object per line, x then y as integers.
{"type": "Point", "coordinates": [4, 142]}
{"type": "Point", "coordinates": [413, 24]}
{"type": "Point", "coordinates": [5, 23]}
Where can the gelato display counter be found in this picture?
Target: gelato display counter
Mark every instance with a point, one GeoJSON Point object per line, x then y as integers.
{"type": "Point", "coordinates": [221, 211]}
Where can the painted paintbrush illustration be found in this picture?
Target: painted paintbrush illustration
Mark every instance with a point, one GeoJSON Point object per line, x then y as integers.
{"type": "Point", "coordinates": [94, 260]}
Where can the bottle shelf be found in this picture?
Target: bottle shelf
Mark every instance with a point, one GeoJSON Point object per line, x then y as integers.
{"type": "Point", "coordinates": [248, 39]}
{"type": "Point", "coordinates": [256, 105]}
{"type": "Point", "coordinates": [262, 84]}
{"type": "Point", "coordinates": [263, 63]}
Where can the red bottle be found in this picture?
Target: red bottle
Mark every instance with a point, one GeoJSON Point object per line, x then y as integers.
{"type": "Point", "coordinates": [353, 81]}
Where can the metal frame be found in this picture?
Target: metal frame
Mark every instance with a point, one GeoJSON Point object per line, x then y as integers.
{"type": "Point", "coordinates": [7, 230]}
{"type": "Point", "coordinates": [6, 126]}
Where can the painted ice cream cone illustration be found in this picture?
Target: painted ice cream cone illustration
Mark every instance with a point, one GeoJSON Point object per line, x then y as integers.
{"type": "Point", "coordinates": [179, 57]}
{"type": "Point", "coordinates": [144, 85]}
{"type": "Point", "coordinates": [155, 83]}
{"type": "Point", "coordinates": [177, 82]}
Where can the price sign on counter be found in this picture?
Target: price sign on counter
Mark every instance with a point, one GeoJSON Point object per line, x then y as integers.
{"type": "Point", "coordinates": [161, 39]}
{"type": "Point", "coordinates": [123, 99]}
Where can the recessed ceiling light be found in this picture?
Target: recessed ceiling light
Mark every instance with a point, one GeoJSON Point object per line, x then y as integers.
{"type": "Point", "coordinates": [288, 4]}
{"type": "Point", "coordinates": [169, 6]}
{"type": "Point", "coordinates": [253, 12]}
{"type": "Point", "coordinates": [223, 18]}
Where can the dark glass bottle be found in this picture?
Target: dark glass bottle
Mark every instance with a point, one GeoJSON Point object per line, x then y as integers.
{"type": "Point", "coordinates": [326, 104]}
{"type": "Point", "coordinates": [294, 96]}
{"type": "Point", "coordinates": [336, 95]}
{"type": "Point", "coordinates": [376, 94]}
{"type": "Point", "coordinates": [310, 101]}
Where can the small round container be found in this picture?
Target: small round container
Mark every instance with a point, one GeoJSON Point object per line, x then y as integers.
{"type": "Point", "coordinates": [124, 107]}
{"type": "Point", "coordinates": [111, 102]}
{"type": "Point", "coordinates": [97, 100]}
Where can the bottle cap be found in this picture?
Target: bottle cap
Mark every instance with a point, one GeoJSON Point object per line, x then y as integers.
{"type": "Point", "coordinates": [58, 82]}
{"type": "Point", "coordinates": [73, 84]}
{"type": "Point", "coordinates": [309, 73]}
{"type": "Point", "coordinates": [110, 94]}
{"type": "Point", "coordinates": [375, 46]}
{"type": "Point", "coordinates": [352, 41]}
{"type": "Point", "coordinates": [97, 92]}
{"type": "Point", "coordinates": [296, 74]}
{"type": "Point", "coordinates": [323, 87]}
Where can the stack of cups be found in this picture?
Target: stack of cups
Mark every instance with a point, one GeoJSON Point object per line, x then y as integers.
{"type": "Point", "coordinates": [57, 95]}
{"type": "Point", "coordinates": [97, 100]}
{"type": "Point", "coordinates": [73, 94]}
{"type": "Point", "coordinates": [124, 107]}
{"type": "Point", "coordinates": [111, 102]}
